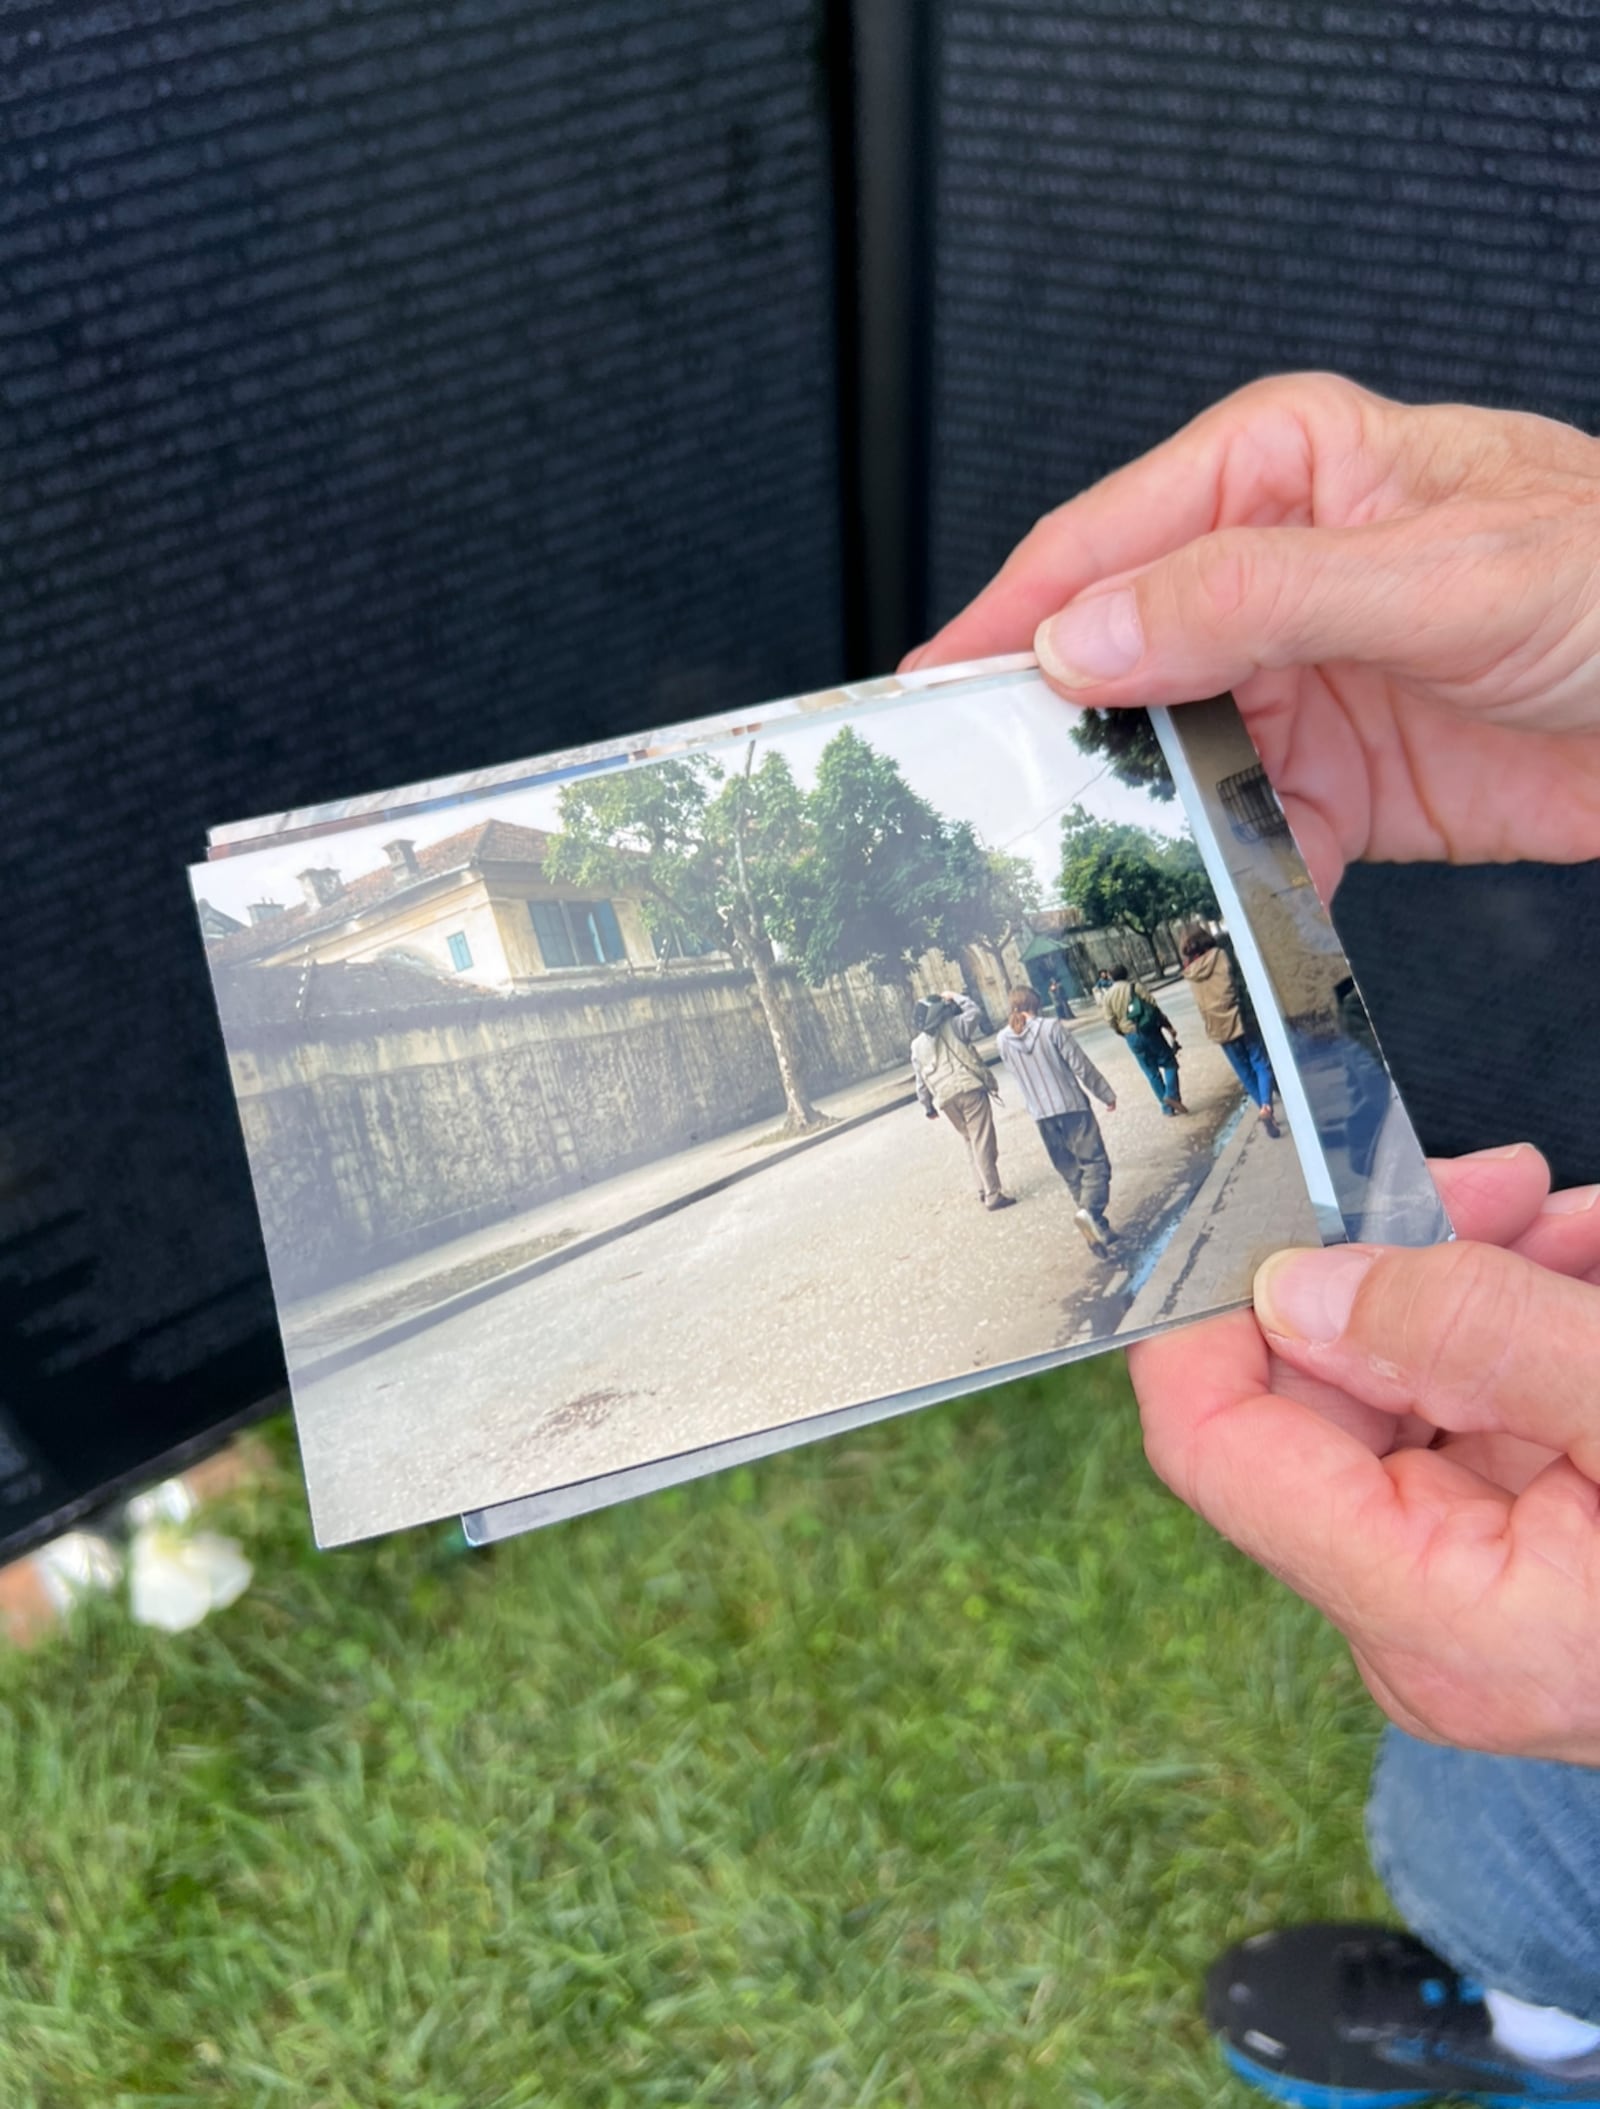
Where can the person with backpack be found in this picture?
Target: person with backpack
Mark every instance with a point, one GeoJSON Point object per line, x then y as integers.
{"type": "Point", "coordinates": [1134, 1015]}
{"type": "Point", "coordinates": [955, 1080]}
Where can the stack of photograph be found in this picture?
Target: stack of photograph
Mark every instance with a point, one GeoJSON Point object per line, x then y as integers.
{"type": "Point", "coordinates": [620, 1115]}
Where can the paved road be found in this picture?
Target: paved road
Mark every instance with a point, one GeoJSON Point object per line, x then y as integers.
{"type": "Point", "coordinates": [856, 1269]}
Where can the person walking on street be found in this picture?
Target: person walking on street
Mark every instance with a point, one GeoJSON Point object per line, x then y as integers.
{"type": "Point", "coordinates": [1134, 1015]}
{"type": "Point", "coordinates": [954, 1080]}
{"type": "Point", "coordinates": [1208, 971]}
{"type": "Point", "coordinates": [1055, 1078]}
{"type": "Point", "coordinates": [1058, 999]}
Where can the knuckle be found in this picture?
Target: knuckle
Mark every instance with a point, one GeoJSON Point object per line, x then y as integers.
{"type": "Point", "coordinates": [1457, 1316]}
{"type": "Point", "coordinates": [1165, 1451]}
{"type": "Point", "coordinates": [1333, 391]}
{"type": "Point", "coordinates": [1314, 413]}
{"type": "Point", "coordinates": [1230, 587]}
{"type": "Point", "coordinates": [1299, 393]}
{"type": "Point", "coordinates": [1161, 1452]}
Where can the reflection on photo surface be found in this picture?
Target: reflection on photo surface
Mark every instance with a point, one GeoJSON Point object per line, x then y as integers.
{"type": "Point", "coordinates": [1305, 996]}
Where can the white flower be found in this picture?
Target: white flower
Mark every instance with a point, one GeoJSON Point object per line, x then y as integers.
{"type": "Point", "coordinates": [175, 1577]}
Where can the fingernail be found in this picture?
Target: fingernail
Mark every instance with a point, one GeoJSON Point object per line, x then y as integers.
{"type": "Point", "coordinates": [1509, 1149]}
{"type": "Point", "coordinates": [1309, 1295]}
{"type": "Point", "coordinates": [1095, 639]}
{"type": "Point", "coordinates": [1572, 1201]}
{"type": "Point", "coordinates": [908, 665]}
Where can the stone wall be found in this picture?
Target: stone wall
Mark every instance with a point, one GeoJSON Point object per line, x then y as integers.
{"type": "Point", "coordinates": [1298, 943]}
{"type": "Point", "coordinates": [1091, 949]}
{"type": "Point", "coordinates": [369, 1138]}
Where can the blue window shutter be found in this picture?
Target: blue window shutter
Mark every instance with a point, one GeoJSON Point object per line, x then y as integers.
{"type": "Point", "coordinates": [609, 932]}
{"type": "Point", "coordinates": [550, 927]}
{"type": "Point", "coordinates": [460, 950]}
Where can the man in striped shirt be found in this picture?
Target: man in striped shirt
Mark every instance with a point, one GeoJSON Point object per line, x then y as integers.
{"type": "Point", "coordinates": [1055, 1078]}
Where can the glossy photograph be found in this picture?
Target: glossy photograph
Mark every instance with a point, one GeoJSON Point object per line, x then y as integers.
{"type": "Point", "coordinates": [865, 1054]}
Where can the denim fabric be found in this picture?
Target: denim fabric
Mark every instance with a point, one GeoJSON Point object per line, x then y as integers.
{"type": "Point", "coordinates": [1155, 1057]}
{"type": "Point", "coordinates": [1250, 1066]}
{"type": "Point", "coordinates": [1494, 1862]}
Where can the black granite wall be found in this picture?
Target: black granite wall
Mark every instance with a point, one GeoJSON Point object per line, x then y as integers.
{"type": "Point", "coordinates": [386, 387]}
{"type": "Point", "coordinates": [1140, 204]}
{"type": "Point", "coordinates": [1143, 203]}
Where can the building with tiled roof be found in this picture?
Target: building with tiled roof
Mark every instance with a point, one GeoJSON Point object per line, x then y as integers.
{"type": "Point", "coordinates": [477, 905]}
{"type": "Point", "coordinates": [216, 923]}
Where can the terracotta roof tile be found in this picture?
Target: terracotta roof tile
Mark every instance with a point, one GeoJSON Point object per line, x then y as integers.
{"type": "Point", "coordinates": [490, 842]}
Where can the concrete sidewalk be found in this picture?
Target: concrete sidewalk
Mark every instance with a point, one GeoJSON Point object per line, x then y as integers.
{"type": "Point", "coordinates": [1254, 1183]}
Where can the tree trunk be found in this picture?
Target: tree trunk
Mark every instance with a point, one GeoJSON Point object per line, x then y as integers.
{"type": "Point", "coordinates": [1003, 973]}
{"type": "Point", "coordinates": [800, 1116]}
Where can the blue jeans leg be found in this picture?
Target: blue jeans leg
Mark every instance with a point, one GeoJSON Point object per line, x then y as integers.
{"type": "Point", "coordinates": [1250, 1066]}
{"type": "Point", "coordinates": [1495, 1862]}
{"type": "Point", "coordinates": [1158, 1061]}
{"type": "Point", "coordinates": [1150, 1059]}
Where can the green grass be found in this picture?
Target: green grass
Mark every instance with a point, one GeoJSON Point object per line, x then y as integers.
{"type": "Point", "coordinates": [928, 1767]}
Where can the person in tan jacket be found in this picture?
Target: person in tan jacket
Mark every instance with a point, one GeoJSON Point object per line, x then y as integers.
{"type": "Point", "coordinates": [1220, 1001]}
{"type": "Point", "coordinates": [955, 1080]}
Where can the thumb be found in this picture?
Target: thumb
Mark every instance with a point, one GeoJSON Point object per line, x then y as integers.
{"type": "Point", "coordinates": [1468, 1336]}
{"type": "Point", "coordinates": [1228, 604]}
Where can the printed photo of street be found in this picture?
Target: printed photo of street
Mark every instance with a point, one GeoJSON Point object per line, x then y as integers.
{"type": "Point", "coordinates": [595, 1123]}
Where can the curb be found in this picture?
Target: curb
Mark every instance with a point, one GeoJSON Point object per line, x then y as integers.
{"type": "Point", "coordinates": [1223, 1167]}
{"type": "Point", "coordinates": [342, 1358]}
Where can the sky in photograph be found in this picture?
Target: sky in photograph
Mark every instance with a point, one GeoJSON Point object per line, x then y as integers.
{"type": "Point", "coordinates": [1001, 757]}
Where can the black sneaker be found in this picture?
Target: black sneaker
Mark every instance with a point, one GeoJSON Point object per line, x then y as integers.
{"type": "Point", "coordinates": [1364, 2017]}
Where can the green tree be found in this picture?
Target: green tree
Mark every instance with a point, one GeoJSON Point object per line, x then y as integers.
{"type": "Point", "coordinates": [1116, 873]}
{"type": "Point", "coordinates": [1012, 893]}
{"type": "Point", "coordinates": [992, 897]}
{"type": "Point", "coordinates": [1126, 740]}
{"type": "Point", "coordinates": [1192, 891]}
{"type": "Point", "coordinates": [708, 854]}
{"type": "Point", "coordinates": [882, 877]}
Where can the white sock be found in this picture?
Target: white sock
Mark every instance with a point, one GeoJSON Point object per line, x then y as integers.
{"type": "Point", "coordinates": [1543, 2033]}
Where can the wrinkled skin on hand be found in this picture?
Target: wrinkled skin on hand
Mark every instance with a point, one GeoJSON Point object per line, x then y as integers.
{"type": "Point", "coordinates": [1406, 604]}
{"type": "Point", "coordinates": [1428, 1478]}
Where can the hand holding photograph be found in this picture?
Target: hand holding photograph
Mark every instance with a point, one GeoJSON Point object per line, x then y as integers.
{"type": "Point", "coordinates": [623, 1115]}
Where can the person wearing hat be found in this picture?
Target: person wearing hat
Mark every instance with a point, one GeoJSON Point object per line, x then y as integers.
{"type": "Point", "coordinates": [955, 1080]}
